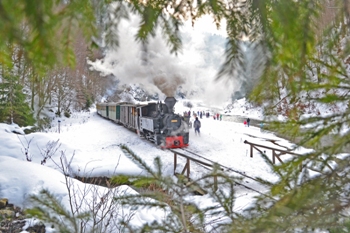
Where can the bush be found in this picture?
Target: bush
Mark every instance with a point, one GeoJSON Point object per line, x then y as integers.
{"type": "Point", "coordinates": [67, 113]}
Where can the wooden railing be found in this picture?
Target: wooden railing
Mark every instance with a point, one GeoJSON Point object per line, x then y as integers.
{"type": "Point", "coordinates": [275, 151]}
{"type": "Point", "coordinates": [187, 167]}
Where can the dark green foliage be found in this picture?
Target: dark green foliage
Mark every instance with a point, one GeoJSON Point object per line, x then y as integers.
{"type": "Point", "coordinates": [305, 65]}
{"type": "Point", "coordinates": [88, 103]}
{"type": "Point", "coordinates": [45, 29]}
{"type": "Point", "coordinates": [120, 180]}
{"type": "Point", "coordinates": [67, 113]}
{"type": "Point", "coordinates": [13, 105]}
{"type": "Point", "coordinates": [306, 72]}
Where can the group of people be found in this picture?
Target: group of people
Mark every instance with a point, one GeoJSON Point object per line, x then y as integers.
{"type": "Point", "coordinates": [247, 123]}
{"type": "Point", "coordinates": [217, 116]}
{"type": "Point", "coordinates": [198, 113]}
{"type": "Point", "coordinates": [197, 124]}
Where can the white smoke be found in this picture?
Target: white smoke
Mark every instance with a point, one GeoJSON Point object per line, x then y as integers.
{"type": "Point", "coordinates": [194, 68]}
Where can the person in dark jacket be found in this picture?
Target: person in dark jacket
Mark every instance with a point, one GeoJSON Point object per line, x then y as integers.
{"type": "Point", "coordinates": [248, 121]}
{"type": "Point", "coordinates": [197, 126]}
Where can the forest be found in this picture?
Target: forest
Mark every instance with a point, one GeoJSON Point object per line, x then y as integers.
{"type": "Point", "coordinates": [304, 64]}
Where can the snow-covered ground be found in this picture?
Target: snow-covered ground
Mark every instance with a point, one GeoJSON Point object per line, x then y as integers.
{"type": "Point", "coordinates": [91, 143]}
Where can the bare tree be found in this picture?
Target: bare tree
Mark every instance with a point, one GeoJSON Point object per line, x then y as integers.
{"type": "Point", "coordinates": [91, 208]}
{"type": "Point", "coordinates": [26, 147]}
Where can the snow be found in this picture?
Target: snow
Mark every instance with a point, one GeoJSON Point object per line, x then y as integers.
{"type": "Point", "coordinates": [90, 145]}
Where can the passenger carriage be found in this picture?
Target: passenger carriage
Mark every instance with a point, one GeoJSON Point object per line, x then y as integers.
{"type": "Point", "coordinates": [155, 121]}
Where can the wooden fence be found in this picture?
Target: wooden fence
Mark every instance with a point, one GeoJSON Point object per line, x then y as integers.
{"type": "Point", "coordinates": [276, 153]}
{"type": "Point", "coordinates": [187, 167]}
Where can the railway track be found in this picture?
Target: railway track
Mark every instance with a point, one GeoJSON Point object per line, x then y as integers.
{"type": "Point", "coordinates": [209, 164]}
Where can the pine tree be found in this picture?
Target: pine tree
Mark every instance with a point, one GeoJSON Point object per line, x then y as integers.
{"type": "Point", "coordinates": [13, 105]}
{"type": "Point", "coordinates": [306, 63]}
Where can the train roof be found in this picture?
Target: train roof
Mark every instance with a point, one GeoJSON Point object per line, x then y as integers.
{"type": "Point", "coordinates": [129, 103]}
{"type": "Point", "coordinates": [134, 105]}
{"type": "Point", "coordinates": [113, 103]}
{"type": "Point", "coordinates": [121, 104]}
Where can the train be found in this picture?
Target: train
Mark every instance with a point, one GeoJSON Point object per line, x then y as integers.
{"type": "Point", "coordinates": [155, 121]}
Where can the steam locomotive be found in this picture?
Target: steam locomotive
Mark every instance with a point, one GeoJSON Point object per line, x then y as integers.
{"type": "Point", "coordinates": [155, 121]}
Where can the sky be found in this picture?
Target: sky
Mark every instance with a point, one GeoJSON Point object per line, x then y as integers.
{"type": "Point", "coordinates": [90, 145]}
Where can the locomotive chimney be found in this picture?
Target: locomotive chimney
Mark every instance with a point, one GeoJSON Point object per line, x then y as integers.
{"type": "Point", "coordinates": [170, 102]}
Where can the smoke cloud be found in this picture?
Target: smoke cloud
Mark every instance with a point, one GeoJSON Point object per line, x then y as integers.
{"type": "Point", "coordinates": [193, 70]}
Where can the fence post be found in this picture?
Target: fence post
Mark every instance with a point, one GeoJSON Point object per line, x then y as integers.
{"type": "Point", "coordinates": [188, 169]}
{"type": "Point", "coordinates": [175, 162]}
{"type": "Point", "coordinates": [215, 183]}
